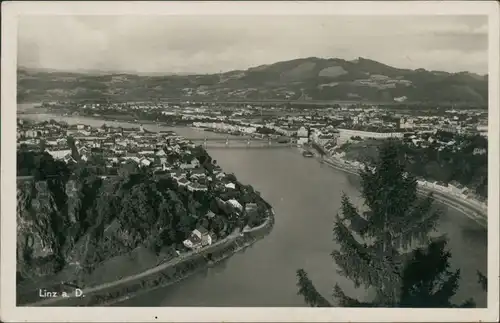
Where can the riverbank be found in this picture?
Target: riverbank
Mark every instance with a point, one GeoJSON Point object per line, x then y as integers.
{"type": "Point", "coordinates": [473, 212]}
{"type": "Point", "coordinates": [129, 122]}
{"type": "Point", "coordinates": [167, 273]}
{"type": "Point", "coordinates": [109, 118]}
{"type": "Point", "coordinates": [251, 236]}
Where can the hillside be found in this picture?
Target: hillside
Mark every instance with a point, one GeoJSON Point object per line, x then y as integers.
{"type": "Point", "coordinates": [301, 79]}
{"type": "Point", "coordinates": [75, 225]}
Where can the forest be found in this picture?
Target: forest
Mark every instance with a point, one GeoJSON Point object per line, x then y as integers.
{"type": "Point", "coordinates": [458, 161]}
{"type": "Point", "coordinates": [455, 163]}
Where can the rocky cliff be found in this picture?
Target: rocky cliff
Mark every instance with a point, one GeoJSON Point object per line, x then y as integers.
{"type": "Point", "coordinates": [42, 227]}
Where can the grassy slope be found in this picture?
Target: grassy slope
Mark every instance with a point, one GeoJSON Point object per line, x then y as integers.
{"type": "Point", "coordinates": [300, 76]}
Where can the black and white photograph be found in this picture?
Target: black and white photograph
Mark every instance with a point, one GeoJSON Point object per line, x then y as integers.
{"type": "Point", "coordinates": [290, 157]}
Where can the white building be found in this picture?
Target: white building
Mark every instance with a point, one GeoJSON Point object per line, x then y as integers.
{"type": "Point", "coordinates": [346, 134]}
{"type": "Point", "coordinates": [235, 204]}
{"type": "Point", "coordinates": [483, 130]}
{"type": "Point", "coordinates": [406, 123]}
{"type": "Point", "coordinates": [59, 154]}
{"type": "Point", "coordinates": [200, 237]}
{"type": "Point", "coordinates": [302, 141]}
{"type": "Point", "coordinates": [145, 162]}
{"type": "Point", "coordinates": [302, 132]}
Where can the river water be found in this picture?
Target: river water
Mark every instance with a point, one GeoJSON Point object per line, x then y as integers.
{"type": "Point", "coordinates": [305, 195]}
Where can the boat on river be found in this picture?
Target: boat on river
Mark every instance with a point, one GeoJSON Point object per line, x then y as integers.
{"type": "Point", "coordinates": [307, 153]}
{"type": "Point", "coordinates": [197, 129]}
{"type": "Point", "coordinates": [283, 140]}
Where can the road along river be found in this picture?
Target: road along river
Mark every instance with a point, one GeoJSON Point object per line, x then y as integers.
{"type": "Point", "coordinates": [305, 196]}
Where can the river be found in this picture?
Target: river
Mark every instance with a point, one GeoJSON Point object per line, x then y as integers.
{"type": "Point", "coordinates": [305, 196]}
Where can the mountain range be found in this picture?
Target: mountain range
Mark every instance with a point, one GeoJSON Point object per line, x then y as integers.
{"type": "Point", "coordinates": [305, 79]}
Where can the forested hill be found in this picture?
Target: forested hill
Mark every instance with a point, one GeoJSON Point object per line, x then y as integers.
{"type": "Point", "coordinates": [301, 79]}
{"type": "Point", "coordinates": [75, 223]}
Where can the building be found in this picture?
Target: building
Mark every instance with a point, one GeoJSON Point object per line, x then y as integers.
{"type": "Point", "coordinates": [193, 164]}
{"type": "Point", "coordinates": [302, 136]}
{"type": "Point", "coordinates": [197, 187]}
{"type": "Point", "coordinates": [251, 209]}
{"type": "Point", "coordinates": [198, 173]}
{"type": "Point", "coordinates": [479, 151]}
{"type": "Point", "coordinates": [483, 130]}
{"type": "Point", "coordinates": [302, 141]}
{"type": "Point", "coordinates": [210, 215]}
{"type": "Point", "coordinates": [59, 154]}
{"type": "Point", "coordinates": [69, 159]}
{"type": "Point", "coordinates": [160, 153]}
{"type": "Point", "coordinates": [32, 134]}
{"type": "Point", "coordinates": [183, 181]}
{"type": "Point", "coordinates": [457, 188]}
{"type": "Point", "coordinates": [193, 242]}
{"type": "Point", "coordinates": [199, 237]}
{"type": "Point", "coordinates": [346, 134]}
{"type": "Point", "coordinates": [145, 162]}
{"type": "Point", "coordinates": [235, 205]}
{"type": "Point", "coordinates": [204, 235]}
{"type": "Point", "coordinates": [406, 123]}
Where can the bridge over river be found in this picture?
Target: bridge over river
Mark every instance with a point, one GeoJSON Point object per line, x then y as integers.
{"type": "Point", "coordinates": [239, 142]}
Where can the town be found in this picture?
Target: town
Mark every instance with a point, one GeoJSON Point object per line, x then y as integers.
{"type": "Point", "coordinates": [286, 119]}
{"type": "Point", "coordinates": [336, 130]}
{"type": "Point", "coordinates": [162, 154]}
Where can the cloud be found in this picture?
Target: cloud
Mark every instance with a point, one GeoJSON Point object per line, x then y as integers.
{"type": "Point", "coordinates": [457, 29]}
{"type": "Point", "coordinates": [445, 60]}
{"type": "Point", "coordinates": [214, 43]}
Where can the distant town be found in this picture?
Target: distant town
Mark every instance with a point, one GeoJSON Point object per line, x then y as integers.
{"type": "Point", "coordinates": [334, 130]}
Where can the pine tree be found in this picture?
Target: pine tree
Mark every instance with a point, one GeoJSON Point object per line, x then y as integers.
{"type": "Point", "coordinates": [387, 247]}
{"type": "Point", "coordinates": [72, 145]}
{"type": "Point", "coordinates": [482, 280]}
{"type": "Point", "coordinates": [427, 280]}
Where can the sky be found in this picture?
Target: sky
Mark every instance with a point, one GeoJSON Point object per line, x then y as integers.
{"type": "Point", "coordinates": [213, 44]}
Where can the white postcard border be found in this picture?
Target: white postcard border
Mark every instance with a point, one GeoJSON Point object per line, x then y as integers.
{"type": "Point", "coordinates": [8, 310]}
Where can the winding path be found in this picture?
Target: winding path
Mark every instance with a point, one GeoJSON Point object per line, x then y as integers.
{"type": "Point", "coordinates": [159, 268]}
{"type": "Point", "coordinates": [88, 291]}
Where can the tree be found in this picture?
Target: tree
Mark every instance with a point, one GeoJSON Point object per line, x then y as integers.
{"type": "Point", "coordinates": [379, 248]}
{"type": "Point", "coordinates": [231, 177]}
{"type": "Point", "coordinates": [307, 289]}
{"type": "Point", "coordinates": [72, 145]}
{"type": "Point", "coordinates": [427, 280]}
{"type": "Point", "coordinates": [482, 280]}
{"type": "Point", "coordinates": [320, 150]}
{"type": "Point", "coordinates": [172, 158]}
{"type": "Point", "coordinates": [127, 169]}
{"type": "Point", "coordinates": [43, 145]}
